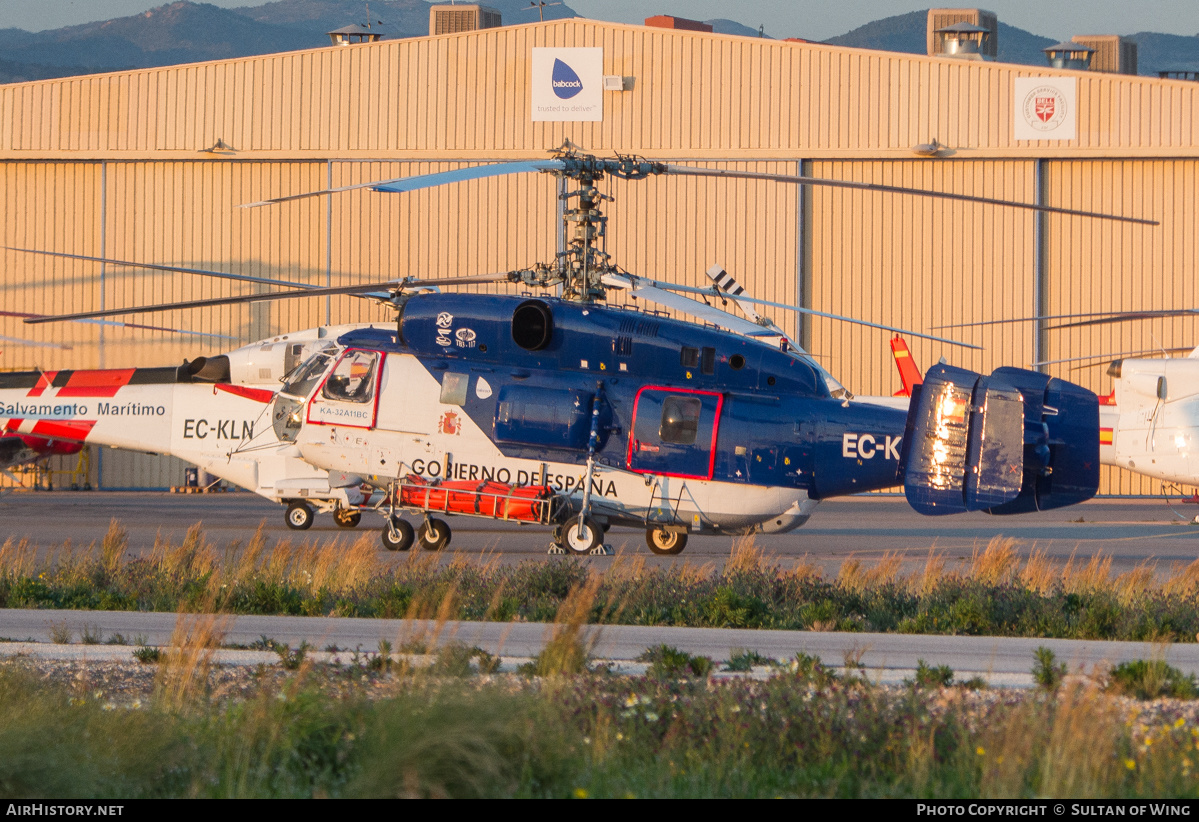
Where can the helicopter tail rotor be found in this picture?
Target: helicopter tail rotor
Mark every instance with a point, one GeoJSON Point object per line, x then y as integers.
{"type": "Point", "coordinates": [1013, 442]}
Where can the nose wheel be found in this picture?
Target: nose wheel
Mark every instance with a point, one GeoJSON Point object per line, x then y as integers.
{"type": "Point", "coordinates": [580, 535]}
{"type": "Point", "coordinates": [664, 542]}
{"type": "Point", "coordinates": [299, 515]}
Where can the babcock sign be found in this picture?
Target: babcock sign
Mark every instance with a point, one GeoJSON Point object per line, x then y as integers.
{"type": "Point", "coordinates": [567, 84]}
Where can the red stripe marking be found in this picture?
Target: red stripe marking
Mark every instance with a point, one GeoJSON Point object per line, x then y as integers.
{"type": "Point", "coordinates": [97, 383]}
{"type": "Point", "coordinates": [43, 382]}
{"type": "Point", "coordinates": [13, 424]}
{"type": "Point", "coordinates": [262, 395]}
{"type": "Point", "coordinates": [48, 447]}
{"type": "Point", "coordinates": [64, 429]}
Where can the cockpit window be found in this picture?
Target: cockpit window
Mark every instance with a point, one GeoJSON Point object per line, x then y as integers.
{"type": "Point", "coordinates": [680, 420]}
{"type": "Point", "coordinates": [301, 380]}
{"type": "Point", "coordinates": [353, 378]}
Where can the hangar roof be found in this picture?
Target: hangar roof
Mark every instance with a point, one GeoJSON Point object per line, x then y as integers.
{"type": "Point", "coordinates": [693, 95]}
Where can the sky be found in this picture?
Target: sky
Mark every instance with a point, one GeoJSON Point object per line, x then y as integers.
{"type": "Point", "coordinates": [810, 19]}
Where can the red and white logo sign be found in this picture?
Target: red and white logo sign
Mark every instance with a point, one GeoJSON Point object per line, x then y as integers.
{"type": "Point", "coordinates": [1045, 108]}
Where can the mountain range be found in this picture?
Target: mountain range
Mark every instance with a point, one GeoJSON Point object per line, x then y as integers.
{"type": "Point", "coordinates": [187, 32]}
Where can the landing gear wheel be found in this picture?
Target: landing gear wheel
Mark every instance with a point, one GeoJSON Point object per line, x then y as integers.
{"type": "Point", "coordinates": [434, 534]}
{"type": "Point", "coordinates": [665, 543]}
{"type": "Point", "coordinates": [581, 535]}
{"type": "Point", "coordinates": [398, 536]}
{"type": "Point", "coordinates": [299, 515]}
{"type": "Point", "coordinates": [347, 517]}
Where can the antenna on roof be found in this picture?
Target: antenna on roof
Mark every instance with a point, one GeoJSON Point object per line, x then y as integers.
{"type": "Point", "coordinates": [540, 6]}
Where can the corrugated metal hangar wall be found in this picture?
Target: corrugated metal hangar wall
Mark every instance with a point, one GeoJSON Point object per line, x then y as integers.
{"type": "Point", "coordinates": [150, 166]}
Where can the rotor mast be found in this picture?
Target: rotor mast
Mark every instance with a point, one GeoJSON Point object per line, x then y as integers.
{"type": "Point", "coordinates": [581, 267]}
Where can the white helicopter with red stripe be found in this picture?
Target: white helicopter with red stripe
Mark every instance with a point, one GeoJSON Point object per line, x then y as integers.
{"type": "Point", "coordinates": [201, 412]}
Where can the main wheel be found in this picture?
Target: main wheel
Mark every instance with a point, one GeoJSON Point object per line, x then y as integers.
{"type": "Point", "coordinates": [434, 534]}
{"type": "Point", "coordinates": [664, 542]}
{"type": "Point", "coordinates": [299, 515]}
{"type": "Point", "coordinates": [347, 517]}
{"type": "Point", "coordinates": [398, 536]}
{"type": "Point", "coordinates": [581, 535]}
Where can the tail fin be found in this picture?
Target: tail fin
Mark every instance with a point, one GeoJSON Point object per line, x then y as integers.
{"type": "Point", "coordinates": [1013, 442]}
{"type": "Point", "coordinates": [909, 373]}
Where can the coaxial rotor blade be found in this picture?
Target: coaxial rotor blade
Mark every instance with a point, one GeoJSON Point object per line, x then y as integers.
{"type": "Point", "coordinates": [1104, 359]}
{"type": "Point", "coordinates": [397, 285]}
{"type": "Point", "coordinates": [1129, 316]}
{"type": "Point", "coordinates": [1012, 320]}
{"type": "Point", "coordinates": [1095, 318]}
{"type": "Point", "coordinates": [36, 344]}
{"type": "Point", "coordinates": [420, 181]}
{"type": "Point", "coordinates": [704, 311]}
{"type": "Point", "coordinates": [118, 324]}
{"type": "Point", "coordinates": [458, 175]}
{"type": "Point", "coordinates": [690, 171]}
{"type": "Point", "coordinates": [225, 275]}
{"type": "Point", "coordinates": [639, 282]}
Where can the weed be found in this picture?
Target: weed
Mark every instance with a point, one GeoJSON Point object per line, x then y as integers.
{"type": "Point", "coordinates": [808, 668]}
{"type": "Point", "coordinates": [668, 662]}
{"type": "Point", "coordinates": [90, 634]}
{"type": "Point", "coordinates": [852, 659]}
{"type": "Point", "coordinates": [381, 661]}
{"type": "Point", "coordinates": [928, 676]}
{"type": "Point", "coordinates": [147, 655]}
{"type": "Point", "coordinates": [1047, 672]}
{"type": "Point", "coordinates": [117, 639]}
{"type": "Point", "coordinates": [741, 660]}
{"type": "Point", "coordinates": [60, 633]}
{"type": "Point", "coordinates": [455, 660]}
{"type": "Point", "coordinates": [417, 646]}
{"type": "Point", "coordinates": [289, 659]}
{"type": "Point", "coordinates": [1151, 679]}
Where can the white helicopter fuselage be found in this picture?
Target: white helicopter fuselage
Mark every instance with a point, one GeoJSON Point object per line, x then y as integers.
{"type": "Point", "coordinates": [1154, 426]}
{"type": "Point", "coordinates": [221, 408]}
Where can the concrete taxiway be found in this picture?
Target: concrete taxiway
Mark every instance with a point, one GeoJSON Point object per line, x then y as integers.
{"type": "Point", "coordinates": [1130, 531]}
{"type": "Point", "coordinates": [1000, 661]}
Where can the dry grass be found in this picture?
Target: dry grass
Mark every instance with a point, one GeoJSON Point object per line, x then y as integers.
{"type": "Point", "coordinates": [804, 568]}
{"type": "Point", "coordinates": [1135, 584]}
{"type": "Point", "coordinates": [996, 564]}
{"type": "Point", "coordinates": [1061, 748]}
{"type": "Point", "coordinates": [18, 559]}
{"type": "Point", "coordinates": [856, 576]}
{"type": "Point", "coordinates": [1040, 574]}
{"type": "Point", "coordinates": [1093, 576]}
{"type": "Point", "coordinates": [746, 557]}
{"type": "Point", "coordinates": [931, 575]}
{"type": "Point", "coordinates": [427, 622]}
{"type": "Point", "coordinates": [1183, 580]}
{"type": "Point", "coordinates": [570, 639]}
{"type": "Point", "coordinates": [192, 558]}
{"type": "Point", "coordinates": [182, 680]}
{"type": "Point", "coordinates": [112, 547]}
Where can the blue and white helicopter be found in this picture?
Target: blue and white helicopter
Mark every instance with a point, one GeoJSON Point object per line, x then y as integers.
{"type": "Point", "coordinates": [576, 414]}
